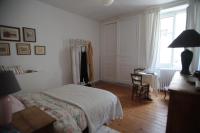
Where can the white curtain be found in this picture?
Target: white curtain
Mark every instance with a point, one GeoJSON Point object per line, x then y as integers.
{"type": "Point", "coordinates": [193, 22]}
{"type": "Point", "coordinates": [148, 38]}
{"type": "Point", "coordinates": [152, 36]}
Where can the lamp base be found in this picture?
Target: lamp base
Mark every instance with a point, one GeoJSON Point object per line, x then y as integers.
{"type": "Point", "coordinates": [8, 129]}
{"type": "Point", "coordinates": [186, 59]}
{"type": "Point", "coordinates": [185, 73]}
{"type": "Point", "coordinates": [6, 110]}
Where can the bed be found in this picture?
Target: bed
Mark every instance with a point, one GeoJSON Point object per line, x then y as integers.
{"type": "Point", "coordinates": [76, 108]}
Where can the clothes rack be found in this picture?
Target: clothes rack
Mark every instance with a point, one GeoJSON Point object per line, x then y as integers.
{"type": "Point", "coordinates": [78, 46]}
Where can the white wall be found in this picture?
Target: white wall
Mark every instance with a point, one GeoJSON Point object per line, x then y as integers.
{"type": "Point", "coordinates": [54, 27]}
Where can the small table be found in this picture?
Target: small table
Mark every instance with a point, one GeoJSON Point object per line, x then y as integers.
{"type": "Point", "coordinates": [33, 120]}
{"type": "Point", "coordinates": [151, 79]}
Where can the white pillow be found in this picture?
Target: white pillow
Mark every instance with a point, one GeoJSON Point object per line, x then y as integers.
{"type": "Point", "coordinates": [16, 104]}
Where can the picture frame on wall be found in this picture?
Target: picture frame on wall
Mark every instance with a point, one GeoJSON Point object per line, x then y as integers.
{"type": "Point", "coordinates": [8, 33]}
{"type": "Point", "coordinates": [23, 49]}
{"type": "Point", "coordinates": [4, 49]}
{"type": "Point", "coordinates": [29, 34]}
{"type": "Point", "coordinates": [40, 50]}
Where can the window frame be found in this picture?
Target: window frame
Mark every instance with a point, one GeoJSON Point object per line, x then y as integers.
{"type": "Point", "coordinates": [172, 14]}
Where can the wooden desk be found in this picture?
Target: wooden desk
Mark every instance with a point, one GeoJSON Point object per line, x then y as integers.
{"type": "Point", "coordinates": [33, 120]}
{"type": "Point", "coordinates": [184, 107]}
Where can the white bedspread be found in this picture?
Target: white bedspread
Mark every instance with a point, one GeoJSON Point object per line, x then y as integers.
{"type": "Point", "coordinates": [100, 106]}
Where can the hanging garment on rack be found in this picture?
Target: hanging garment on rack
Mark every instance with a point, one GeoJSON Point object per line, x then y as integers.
{"type": "Point", "coordinates": [90, 62]}
{"type": "Point", "coordinates": [84, 69]}
{"type": "Point", "coordinates": [75, 52]}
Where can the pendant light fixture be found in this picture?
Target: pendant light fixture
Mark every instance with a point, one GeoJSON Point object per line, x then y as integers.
{"type": "Point", "coordinates": [107, 2]}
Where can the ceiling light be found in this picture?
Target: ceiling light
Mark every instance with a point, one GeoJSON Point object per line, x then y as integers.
{"type": "Point", "coordinates": [107, 2]}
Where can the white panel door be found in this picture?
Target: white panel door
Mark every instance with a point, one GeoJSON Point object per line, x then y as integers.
{"type": "Point", "coordinates": [128, 49]}
{"type": "Point", "coordinates": [109, 53]}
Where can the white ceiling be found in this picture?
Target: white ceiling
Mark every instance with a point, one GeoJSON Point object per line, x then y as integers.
{"type": "Point", "coordinates": [96, 10]}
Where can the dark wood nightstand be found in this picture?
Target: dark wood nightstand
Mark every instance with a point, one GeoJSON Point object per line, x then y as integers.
{"type": "Point", "coordinates": [33, 120]}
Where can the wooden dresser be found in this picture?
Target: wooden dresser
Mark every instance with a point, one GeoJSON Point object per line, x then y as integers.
{"type": "Point", "coordinates": [184, 106]}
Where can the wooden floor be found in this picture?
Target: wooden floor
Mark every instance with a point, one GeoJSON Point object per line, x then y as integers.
{"type": "Point", "coordinates": [139, 116]}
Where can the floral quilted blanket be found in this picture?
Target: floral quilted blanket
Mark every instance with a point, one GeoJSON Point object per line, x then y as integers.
{"type": "Point", "coordinates": [70, 118]}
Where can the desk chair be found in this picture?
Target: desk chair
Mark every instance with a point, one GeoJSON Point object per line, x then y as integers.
{"type": "Point", "coordinates": [139, 89]}
{"type": "Point", "coordinates": [136, 70]}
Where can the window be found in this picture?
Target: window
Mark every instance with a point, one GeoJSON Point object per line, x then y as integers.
{"type": "Point", "coordinates": [172, 23]}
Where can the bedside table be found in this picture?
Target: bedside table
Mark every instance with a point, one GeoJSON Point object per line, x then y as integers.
{"type": "Point", "coordinates": [33, 120]}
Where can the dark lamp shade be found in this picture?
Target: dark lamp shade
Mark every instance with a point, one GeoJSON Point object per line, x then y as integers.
{"type": "Point", "coordinates": [188, 38]}
{"type": "Point", "coordinates": [8, 83]}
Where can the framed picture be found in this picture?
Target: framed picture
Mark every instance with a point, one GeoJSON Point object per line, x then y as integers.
{"type": "Point", "coordinates": [4, 49]}
{"type": "Point", "coordinates": [40, 50]}
{"type": "Point", "coordinates": [8, 33]}
{"type": "Point", "coordinates": [23, 49]}
{"type": "Point", "coordinates": [29, 34]}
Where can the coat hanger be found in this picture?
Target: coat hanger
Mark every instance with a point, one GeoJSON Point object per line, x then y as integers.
{"type": "Point", "coordinates": [83, 48]}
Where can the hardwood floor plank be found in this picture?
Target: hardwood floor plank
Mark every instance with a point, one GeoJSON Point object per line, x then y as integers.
{"type": "Point", "coordinates": [139, 116]}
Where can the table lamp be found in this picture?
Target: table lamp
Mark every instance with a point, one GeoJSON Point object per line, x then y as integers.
{"type": "Point", "coordinates": [188, 38]}
{"type": "Point", "coordinates": [8, 85]}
